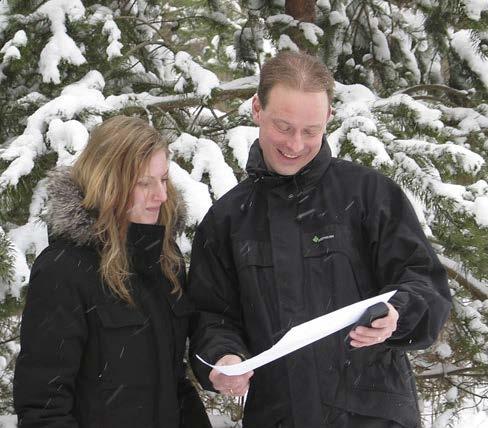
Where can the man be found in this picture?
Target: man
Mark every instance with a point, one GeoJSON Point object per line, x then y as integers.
{"type": "Point", "coordinates": [306, 234]}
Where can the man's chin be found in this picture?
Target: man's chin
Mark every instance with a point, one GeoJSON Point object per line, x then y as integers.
{"type": "Point", "coordinates": [287, 170]}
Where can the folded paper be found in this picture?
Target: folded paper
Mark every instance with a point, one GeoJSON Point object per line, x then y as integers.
{"type": "Point", "coordinates": [303, 335]}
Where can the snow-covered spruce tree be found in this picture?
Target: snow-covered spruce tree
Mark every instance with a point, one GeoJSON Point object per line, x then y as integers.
{"type": "Point", "coordinates": [411, 86]}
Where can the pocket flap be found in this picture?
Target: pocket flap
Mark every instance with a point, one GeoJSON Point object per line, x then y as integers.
{"type": "Point", "coordinates": [253, 253]}
{"type": "Point", "coordinates": [117, 315]}
{"type": "Point", "coordinates": [329, 238]}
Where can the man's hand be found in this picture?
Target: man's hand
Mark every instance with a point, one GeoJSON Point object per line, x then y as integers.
{"type": "Point", "coordinates": [380, 330]}
{"type": "Point", "coordinates": [236, 386]}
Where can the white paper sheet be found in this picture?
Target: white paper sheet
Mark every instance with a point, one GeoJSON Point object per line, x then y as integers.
{"type": "Point", "coordinates": [304, 334]}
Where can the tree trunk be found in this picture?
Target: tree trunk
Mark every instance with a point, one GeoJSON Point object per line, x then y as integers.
{"type": "Point", "coordinates": [303, 10]}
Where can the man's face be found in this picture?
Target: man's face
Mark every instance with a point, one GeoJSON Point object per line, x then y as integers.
{"type": "Point", "coordinates": [291, 127]}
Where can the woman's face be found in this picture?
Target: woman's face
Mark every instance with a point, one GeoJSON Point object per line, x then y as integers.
{"type": "Point", "coordinates": [150, 190]}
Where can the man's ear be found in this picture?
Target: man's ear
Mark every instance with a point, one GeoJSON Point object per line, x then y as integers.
{"type": "Point", "coordinates": [256, 109]}
{"type": "Point", "coordinates": [330, 113]}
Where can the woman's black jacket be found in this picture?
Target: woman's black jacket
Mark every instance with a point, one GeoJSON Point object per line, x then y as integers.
{"type": "Point", "coordinates": [90, 360]}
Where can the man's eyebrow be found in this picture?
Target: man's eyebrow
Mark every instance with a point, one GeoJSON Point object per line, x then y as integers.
{"type": "Point", "coordinates": [281, 122]}
{"type": "Point", "coordinates": [315, 126]}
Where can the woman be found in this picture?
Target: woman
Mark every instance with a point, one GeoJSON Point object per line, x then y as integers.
{"type": "Point", "coordinates": [105, 323]}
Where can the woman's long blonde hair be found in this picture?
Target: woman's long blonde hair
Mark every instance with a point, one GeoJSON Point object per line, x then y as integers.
{"type": "Point", "coordinates": [107, 170]}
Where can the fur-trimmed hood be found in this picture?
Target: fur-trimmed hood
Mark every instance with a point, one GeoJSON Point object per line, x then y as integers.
{"type": "Point", "coordinates": [66, 217]}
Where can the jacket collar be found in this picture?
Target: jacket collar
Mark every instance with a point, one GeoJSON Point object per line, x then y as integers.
{"type": "Point", "coordinates": [307, 176]}
{"type": "Point", "coordinates": [144, 243]}
{"type": "Point", "coordinates": [66, 217]}
{"type": "Point", "coordinates": [64, 213]}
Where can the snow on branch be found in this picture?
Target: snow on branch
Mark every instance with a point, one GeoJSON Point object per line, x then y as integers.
{"type": "Point", "coordinates": [468, 119]}
{"type": "Point", "coordinates": [68, 139]}
{"type": "Point", "coordinates": [448, 369]}
{"type": "Point", "coordinates": [473, 8]}
{"type": "Point", "coordinates": [240, 140]}
{"type": "Point", "coordinates": [240, 88]}
{"type": "Point", "coordinates": [456, 271]}
{"type": "Point", "coordinates": [195, 194]}
{"type": "Point", "coordinates": [463, 46]}
{"type": "Point", "coordinates": [203, 80]}
{"type": "Point", "coordinates": [4, 11]}
{"type": "Point", "coordinates": [465, 159]}
{"type": "Point", "coordinates": [60, 46]}
{"type": "Point", "coordinates": [404, 41]}
{"type": "Point", "coordinates": [434, 87]}
{"type": "Point", "coordinates": [380, 47]}
{"type": "Point", "coordinates": [110, 29]}
{"type": "Point", "coordinates": [10, 49]}
{"type": "Point", "coordinates": [430, 181]}
{"type": "Point", "coordinates": [206, 157]}
{"type": "Point", "coordinates": [30, 238]}
{"type": "Point", "coordinates": [84, 95]}
{"type": "Point", "coordinates": [424, 116]}
{"type": "Point", "coordinates": [311, 32]}
{"type": "Point", "coordinates": [286, 43]}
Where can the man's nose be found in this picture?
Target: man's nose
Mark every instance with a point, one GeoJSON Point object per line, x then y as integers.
{"type": "Point", "coordinates": [295, 143]}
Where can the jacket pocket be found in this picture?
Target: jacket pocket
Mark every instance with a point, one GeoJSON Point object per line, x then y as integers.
{"type": "Point", "coordinates": [331, 263]}
{"type": "Point", "coordinates": [125, 338]}
{"type": "Point", "coordinates": [257, 289]}
{"type": "Point", "coordinates": [330, 276]}
{"type": "Point", "coordinates": [378, 369]}
{"type": "Point", "coordinates": [252, 253]}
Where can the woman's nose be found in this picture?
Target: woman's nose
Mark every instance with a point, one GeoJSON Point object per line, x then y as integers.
{"type": "Point", "coordinates": [160, 193]}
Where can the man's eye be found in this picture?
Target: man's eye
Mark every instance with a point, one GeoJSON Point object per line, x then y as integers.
{"type": "Point", "coordinates": [283, 128]}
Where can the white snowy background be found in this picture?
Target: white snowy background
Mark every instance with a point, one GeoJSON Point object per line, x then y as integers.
{"type": "Point", "coordinates": [61, 124]}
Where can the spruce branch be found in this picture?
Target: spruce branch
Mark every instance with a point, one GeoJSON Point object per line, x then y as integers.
{"type": "Point", "coordinates": [467, 391]}
{"type": "Point", "coordinates": [444, 370]}
{"type": "Point", "coordinates": [173, 102]}
{"type": "Point", "coordinates": [478, 289]}
{"type": "Point", "coordinates": [11, 339]}
{"type": "Point", "coordinates": [434, 87]}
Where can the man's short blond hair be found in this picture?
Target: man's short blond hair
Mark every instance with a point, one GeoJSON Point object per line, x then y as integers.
{"type": "Point", "coordinates": [296, 70]}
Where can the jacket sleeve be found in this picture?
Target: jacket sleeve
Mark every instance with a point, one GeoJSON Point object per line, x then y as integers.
{"type": "Point", "coordinates": [52, 336]}
{"type": "Point", "coordinates": [217, 328]}
{"type": "Point", "coordinates": [404, 260]}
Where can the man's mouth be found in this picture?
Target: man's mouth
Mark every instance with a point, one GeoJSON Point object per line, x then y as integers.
{"type": "Point", "coordinates": [288, 155]}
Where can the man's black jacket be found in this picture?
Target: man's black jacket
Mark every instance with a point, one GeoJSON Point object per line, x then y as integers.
{"type": "Point", "coordinates": [277, 251]}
